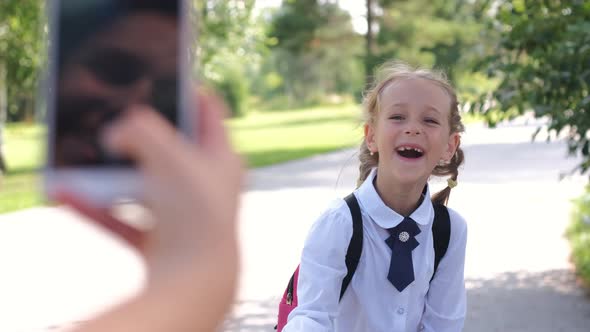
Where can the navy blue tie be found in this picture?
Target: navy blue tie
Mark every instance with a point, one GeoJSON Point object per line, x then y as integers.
{"type": "Point", "coordinates": [402, 241]}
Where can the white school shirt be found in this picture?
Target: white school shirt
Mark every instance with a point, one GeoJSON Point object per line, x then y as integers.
{"type": "Point", "coordinates": [371, 303]}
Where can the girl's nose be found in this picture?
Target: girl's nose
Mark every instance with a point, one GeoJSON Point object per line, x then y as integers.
{"type": "Point", "coordinates": [413, 131]}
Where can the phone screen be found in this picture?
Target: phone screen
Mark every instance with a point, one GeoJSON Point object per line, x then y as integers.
{"type": "Point", "coordinates": [110, 55]}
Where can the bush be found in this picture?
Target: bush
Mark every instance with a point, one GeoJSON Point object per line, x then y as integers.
{"type": "Point", "coordinates": [542, 63]}
{"type": "Point", "coordinates": [233, 87]}
{"type": "Point", "coordinates": [578, 234]}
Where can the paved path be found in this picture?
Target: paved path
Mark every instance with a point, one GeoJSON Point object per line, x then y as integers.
{"type": "Point", "coordinates": [57, 270]}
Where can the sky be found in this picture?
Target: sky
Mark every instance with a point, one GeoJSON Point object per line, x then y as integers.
{"type": "Point", "coordinates": [356, 8]}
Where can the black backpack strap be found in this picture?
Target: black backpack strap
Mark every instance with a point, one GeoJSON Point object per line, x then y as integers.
{"type": "Point", "coordinates": [441, 234]}
{"type": "Point", "coordinates": [355, 248]}
{"type": "Point", "coordinates": [353, 254]}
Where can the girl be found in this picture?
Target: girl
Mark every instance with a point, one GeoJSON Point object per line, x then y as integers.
{"type": "Point", "coordinates": [412, 131]}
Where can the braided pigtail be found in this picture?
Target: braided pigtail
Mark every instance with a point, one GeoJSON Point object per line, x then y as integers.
{"type": "Point", "coordinates": [452, 169]}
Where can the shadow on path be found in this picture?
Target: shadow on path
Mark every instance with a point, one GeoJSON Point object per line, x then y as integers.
{"type": "Point", "coordinates": [548, 301]}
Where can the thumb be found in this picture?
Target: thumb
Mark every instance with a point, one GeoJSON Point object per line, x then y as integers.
{"type": "Point", "coordinates": [146, 137]}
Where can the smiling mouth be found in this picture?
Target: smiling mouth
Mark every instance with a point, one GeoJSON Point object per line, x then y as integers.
{"type": "Point", "coordinates": [409, 152]}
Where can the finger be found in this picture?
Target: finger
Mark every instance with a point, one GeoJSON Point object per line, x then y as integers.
{"type": "Point", "coordinates": [146, 137]}
{"type": "Point", "coordinates": [213, 137]}
{"type": "Point", "coordinates": [131, 235]}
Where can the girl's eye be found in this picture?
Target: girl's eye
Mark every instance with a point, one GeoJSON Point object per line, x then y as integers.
{"type": "Point", "coordinates": [433, 121]}
{"type": "Point", "coordinates": [396, 117]}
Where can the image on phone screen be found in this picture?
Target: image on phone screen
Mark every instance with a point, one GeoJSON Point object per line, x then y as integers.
{"type": "Point", "coordinates": [111, 55]}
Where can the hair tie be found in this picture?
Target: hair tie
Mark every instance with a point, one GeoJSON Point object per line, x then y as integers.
{"type": "Point", "coordinates": [452, 183]}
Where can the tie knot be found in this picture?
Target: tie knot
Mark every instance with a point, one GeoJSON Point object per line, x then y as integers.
{"type": "Point", "coordinates": [403, 234]}
{"type": "Point", "coordinates": [406, 229]}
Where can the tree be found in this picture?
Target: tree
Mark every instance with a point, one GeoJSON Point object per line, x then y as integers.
{"type": "Point", "coordinates": [434, 33]}
{"type": "Point", "coordinates": [370, 62]}
{"type": "Point", "coordinates": [542, 63]}
{"type": "Point", "coordinates": [371, 59]}
{"type": "Point", "coordinates": [229, 43]}
{"type": "Point", "coordinates": [443, 34]}
{"type": "Point", "coordinates": [315, 49]}
{"type": "Point", "coordinates": [20, 54]}
{"type": "Point", "coordinates": [3, 107]}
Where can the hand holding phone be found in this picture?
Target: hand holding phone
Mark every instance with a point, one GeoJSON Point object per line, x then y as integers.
{"type": "Point", "coordinates": [191, 253]}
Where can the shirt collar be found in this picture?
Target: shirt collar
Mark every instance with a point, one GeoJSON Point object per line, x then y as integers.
{"type": "Point", "coordinates": [384, 216]}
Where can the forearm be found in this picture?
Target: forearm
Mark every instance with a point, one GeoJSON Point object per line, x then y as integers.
{"type": "Point", "coordinates": [195, 299]}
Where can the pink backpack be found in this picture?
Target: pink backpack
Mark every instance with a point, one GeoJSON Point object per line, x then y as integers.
{"type": "Point", "coordinates": [288, 302]}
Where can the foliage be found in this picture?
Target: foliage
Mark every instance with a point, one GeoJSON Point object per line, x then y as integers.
{"type": "Point", "coordinates": [315, 51]}
{"type": "Point", "coordinates": [303, 53]}
{"type": "Point", "coordinates": [303, 17]}
{"type": "Point", "coordinates": [578, 234]}
{"type": "Point", "coordinates": [20, 54]}
{"type": "Point", "coordinates": [231, 83]}
{"type": "Point", "coordinates": [542, 64]}
{"type": "Point", "coordinates": [441, 34]}
{"type": "Point", "coordinates": [230, 45]}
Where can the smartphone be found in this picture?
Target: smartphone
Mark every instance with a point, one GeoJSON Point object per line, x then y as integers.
{"type": "Point", "coordinates": [105, 56]}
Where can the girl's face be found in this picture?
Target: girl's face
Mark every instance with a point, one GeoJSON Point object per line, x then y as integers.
{"type": "Point", "coordinates": [411, 132]}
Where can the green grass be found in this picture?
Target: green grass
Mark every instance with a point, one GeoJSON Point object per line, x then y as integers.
{"type": "Point", "coordinates": [20, 191]}
{"type": "Point", "coordinates": [24, 152]}
{"type": "Point", "coordinates": [266, 138]}
{"type": "Point", "coordinates": [24, 149]}
{"type": "Point", "coordinates": [578, 234]}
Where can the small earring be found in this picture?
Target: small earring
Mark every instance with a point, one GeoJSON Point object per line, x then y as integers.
{"type": "Point", "coordinates": [372, 153]}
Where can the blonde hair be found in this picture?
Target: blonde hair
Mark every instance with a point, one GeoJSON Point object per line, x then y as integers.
{"type": "Point", "coordinates": [393, 71]}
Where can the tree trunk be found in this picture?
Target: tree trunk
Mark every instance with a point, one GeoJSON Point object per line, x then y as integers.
{"type": "Point", "coordinates": [3, 114]}
{"type": "Point", "coordinates": [3, 95]}
{"type": "Point", "coordinates": [369, 44]}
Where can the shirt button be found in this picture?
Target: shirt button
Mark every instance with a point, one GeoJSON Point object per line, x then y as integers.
{"type": "Point", "coordinates": [421, 328]}
{"type": "Point", "coordinates": [401, 311]}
